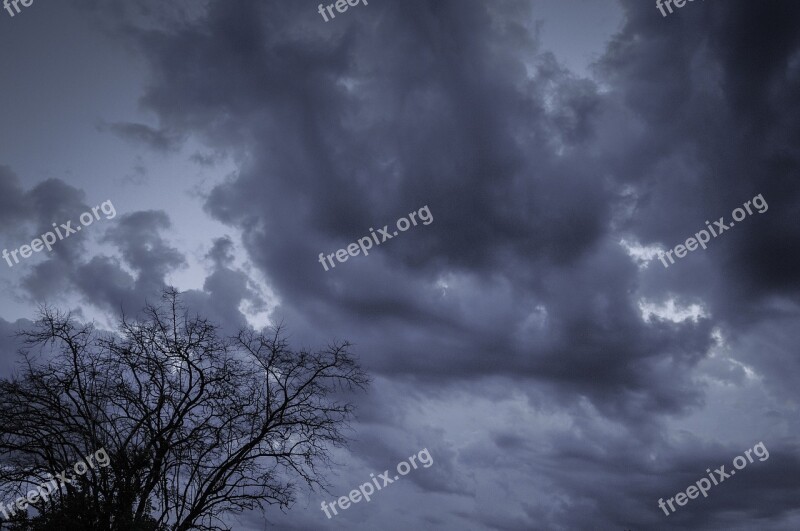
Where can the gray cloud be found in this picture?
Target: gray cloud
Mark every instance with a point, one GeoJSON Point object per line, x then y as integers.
{"type": "Point", "coordinates": [507, 336]}
{"type": "Point", "coordinates": [155, 139]}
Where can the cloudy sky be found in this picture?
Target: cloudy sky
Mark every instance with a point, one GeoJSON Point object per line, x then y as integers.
{"type": "Point", "coordinates": [529, 337]}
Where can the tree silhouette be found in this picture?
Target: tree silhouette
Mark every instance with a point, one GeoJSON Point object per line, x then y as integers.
{"type": "Point", "coordinates": [195, 424]}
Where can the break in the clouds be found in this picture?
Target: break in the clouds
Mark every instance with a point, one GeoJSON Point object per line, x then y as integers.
{"type": "Point", "coordinates": [560, 376]}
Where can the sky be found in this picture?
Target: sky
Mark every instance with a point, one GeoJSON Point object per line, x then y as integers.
{"type": "Point", "coordinates": [547, 337]}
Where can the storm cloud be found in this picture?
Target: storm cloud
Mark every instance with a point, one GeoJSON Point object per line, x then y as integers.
{"type": "Point", "coordinates": [560, 376]}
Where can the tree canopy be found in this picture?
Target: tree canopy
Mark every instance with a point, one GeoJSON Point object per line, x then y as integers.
{"type": "Point", "coordinates": [196, 424]}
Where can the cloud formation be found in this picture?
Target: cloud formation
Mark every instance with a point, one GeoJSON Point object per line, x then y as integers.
{"type": "Point", "coordinates": [557, 382]}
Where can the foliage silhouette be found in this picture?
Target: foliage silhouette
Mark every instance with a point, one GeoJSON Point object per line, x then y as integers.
{"type": "Point", "coordinates": [196, 425]}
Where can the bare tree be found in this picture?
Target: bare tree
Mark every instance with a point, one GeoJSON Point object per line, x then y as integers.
{"type": "Point", "coordinates": [196, 425]}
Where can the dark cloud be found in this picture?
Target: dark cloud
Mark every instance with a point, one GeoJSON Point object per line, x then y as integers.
{"type": "Point", "coordinates": [139, 269]}
{"type": "Point", "coordinates": [137, 177]}
{"type": "Point", "coordinates": [155, 139]}
{"type": "Point", "coordinates": [14, 204]}
{"type": "Point", "coordinates": [221, 253]}
{"type": "Point", "coordinates": [10, 345]}
{"type": "Point", "coordinates": [508, 335]}
{"type": "Point", "coordinates": [498, 156]}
